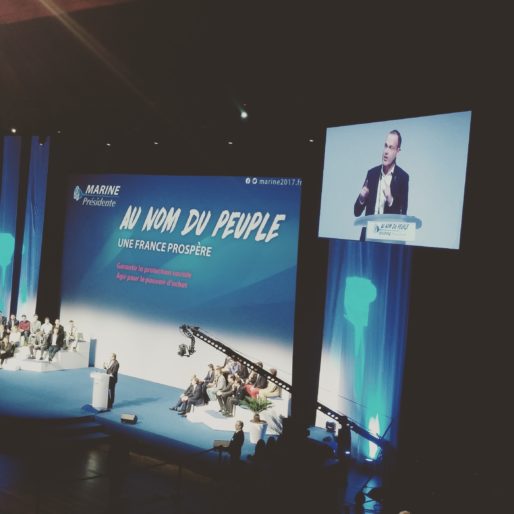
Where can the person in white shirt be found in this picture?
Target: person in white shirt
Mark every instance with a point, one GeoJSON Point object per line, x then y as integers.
{"type": "Point", "coordinates": [47, 327]}
{"type": "Point", "coordinates": [72, 338]}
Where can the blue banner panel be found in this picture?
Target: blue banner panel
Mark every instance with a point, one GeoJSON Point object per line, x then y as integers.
{"type": "Point", "coordinates": [364, 337]}
{"type": "Point", "coordinates": [8, 214]}
{"type": "Point", "coordinates": [33, 229]}
{"type": "Point", "coordinates": [146, 254]}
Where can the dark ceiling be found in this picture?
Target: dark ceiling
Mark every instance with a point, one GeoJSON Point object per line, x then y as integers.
{"type": "Point", "coordinates": [186, 66]}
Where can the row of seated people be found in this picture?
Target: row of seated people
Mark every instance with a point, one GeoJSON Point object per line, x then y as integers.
{"type": "Point", "coordinates": [229, 389]}
{"type": "Point", "coordinates": [46, 337]}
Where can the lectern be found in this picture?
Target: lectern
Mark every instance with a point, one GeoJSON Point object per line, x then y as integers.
{"type": "Point", "coordinates": [392, 228]}
{"type": "Point", "coordinates": [100, 390]}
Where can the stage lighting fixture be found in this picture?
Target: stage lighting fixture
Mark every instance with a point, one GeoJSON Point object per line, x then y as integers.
{"type": "Point", "coordinates": [330, 426]}
{"type": "Point", "coordinates": [244, 115]}
{"type": "Point", "coordinates": [13, 130]}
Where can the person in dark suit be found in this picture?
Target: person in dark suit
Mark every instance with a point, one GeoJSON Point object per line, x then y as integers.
{"type": "Point", "coordinates": [112, 370]}
{"type": "Point", "coordinates": [236, 443]}
{"type": "Point", "coordinates": [236, 398]}
{"type": "Point", "coordinates": [196, 398]}
{"type": "Point", "coordinates": [386, 187]}
{"type": "Point", "coordinates": [54, 342]}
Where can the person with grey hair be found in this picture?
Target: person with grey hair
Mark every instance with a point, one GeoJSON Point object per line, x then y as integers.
{"type": "Point", "coordinates": [236, 443]}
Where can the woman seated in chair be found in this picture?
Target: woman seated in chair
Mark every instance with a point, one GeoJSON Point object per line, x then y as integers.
{"type": "Point", "coordinates": [256, 382]}
{"type": "Point", "coordinates": [271, 390]}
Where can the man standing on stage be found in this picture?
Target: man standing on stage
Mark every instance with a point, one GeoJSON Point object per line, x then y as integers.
{"type": "Point", "coordinates": [236, 443]}
{"type": "Point", "coordinates": [112, 370]}
{"type": "Point", "coordinates": [386, 187]}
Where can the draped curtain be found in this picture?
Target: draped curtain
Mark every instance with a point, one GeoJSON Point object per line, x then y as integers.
{"type": "Point", "coordinates": [10, 179]}
{"type": "Point", "coordinates": [364, 336]}
{"type": "Point", "coordinates": [33, 228]}
{"type": "Point", "coordinates": [13, 181]}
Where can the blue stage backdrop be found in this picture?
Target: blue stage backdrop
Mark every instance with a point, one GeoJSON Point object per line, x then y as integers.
{"type": "Point", "coordinates": [33, 231]}
{"type": "Point", "coordinates": [8, 213]}
{"type": "Point", "coordinates": [146, 254]}
{"type": "Point", "coordinates": [364, 337]}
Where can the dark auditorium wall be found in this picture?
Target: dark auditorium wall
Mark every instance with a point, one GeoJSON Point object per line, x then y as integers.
{"type": "Point", "coordinates": [298, 72]}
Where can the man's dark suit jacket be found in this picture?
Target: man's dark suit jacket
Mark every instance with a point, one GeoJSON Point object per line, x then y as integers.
{"type": "Point", "coordinates": [59, 342]}
{"type": "Point", "coordinates": [235, 445]}
{"type": "Point", "coordinates": [399, 191]}
{"type": "Point", "coordinates": [113, 370]}
{"type": "Point", "coordinates": [196, 395]}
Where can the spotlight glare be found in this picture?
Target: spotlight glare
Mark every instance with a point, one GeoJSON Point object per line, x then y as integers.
{"type": "Point", "coordinates": [244, 115]}
{"type": "Point", "coordinates": [13, 130]}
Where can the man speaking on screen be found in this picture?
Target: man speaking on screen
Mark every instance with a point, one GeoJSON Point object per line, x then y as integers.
{"type": "Point", "coordinates": [386, 188]}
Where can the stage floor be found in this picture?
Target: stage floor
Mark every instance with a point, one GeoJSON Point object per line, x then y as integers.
{"type": "Point", "coordinates": [67, 393]}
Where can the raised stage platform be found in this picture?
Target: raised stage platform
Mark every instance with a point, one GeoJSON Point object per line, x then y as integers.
{"type": "Point", "coordinates": [68, 393]}
{"type": "Point", "coordinates": [64, 359]}
{"type": "Point", "coordinates": [65, 396]}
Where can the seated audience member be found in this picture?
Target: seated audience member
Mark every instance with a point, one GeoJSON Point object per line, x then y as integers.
{"type": "Point", "coordinates": [242, 372]}
{"type": "Point", "coordinates": [62, 332]}
{"type": "Point", "coordinates": [224, 393]}
{"type": "Point", "coordinates": [35, 325]}
{"type": "Point", "coordinates": [236, 398]}
{"type": "Point", "coordinates": [47, 327]}
{"type": "Point", "coordinates": [271, 390]}
{"type": "Point", "coordinates": [256, 382]}
{"type": "Point", "coordinates": [6, 349]}
{"type": "Point", "coordinates": [24, 328]}
{"type": "Point", "coordinates": [54, 342]}
{"type": "Point", "coordinates": [232, 367]}
{"type": "Point", "coordinates": [72, 339]}
{"type": "Point", "coordinates": [37, 342]}
{"type": "Point", "coordinates": [2, 331]}
{"type": "Point", "coordinates": [185, 395]}
{"type": "Point", "coordinates": [219, 383]}
{"type": "Point", "coordinates": [13, 322]}
{"type": "Point", "coordinates": [209, 377]}
{"type": "Point", "coordinates": [196, 398]}
{"type": "Point", "coordinates": [15, 336]}
{"type": "Point", "coordinates": [3, 319]}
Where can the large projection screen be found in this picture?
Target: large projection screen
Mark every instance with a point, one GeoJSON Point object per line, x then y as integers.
{"type": "Point", "coordinates": [427, 184]}
{"type": "Point", "coordinates": [145, 254]}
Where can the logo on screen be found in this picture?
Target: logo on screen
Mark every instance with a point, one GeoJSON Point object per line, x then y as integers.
{"type": "Point", "coordinates": [77, 193]}
{"type": "Point", "coordinates": [97, 195]}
